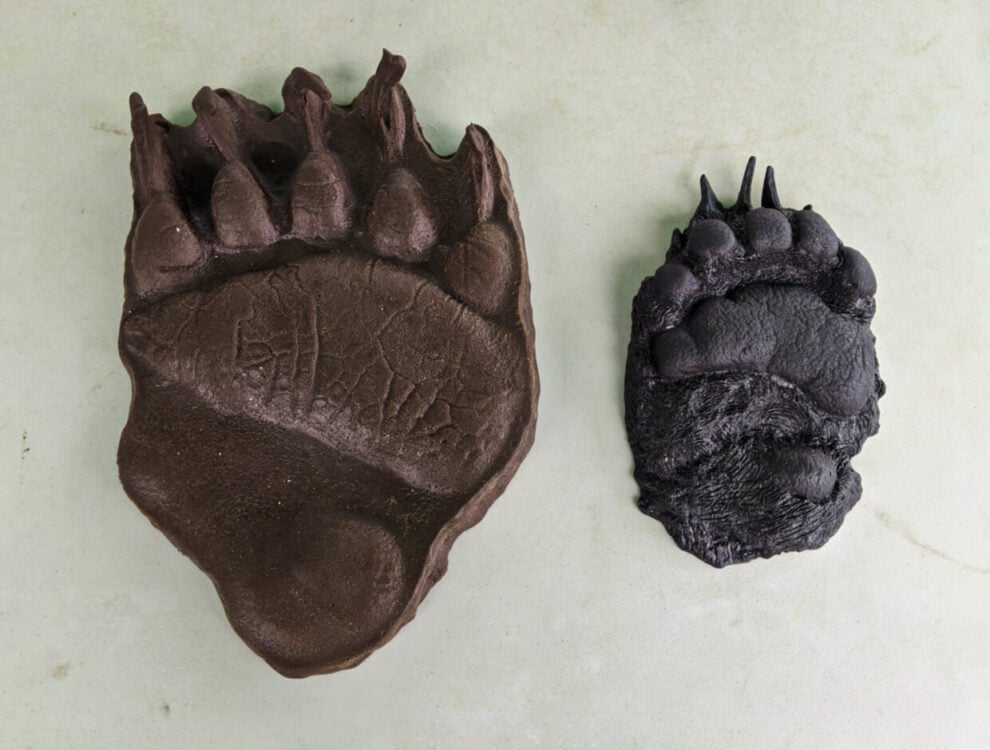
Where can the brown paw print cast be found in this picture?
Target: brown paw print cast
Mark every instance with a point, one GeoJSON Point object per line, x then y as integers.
{"type": "Point", "coordinates": [751, 379]}
{"type": "Point", "coordinates": [330, 342]}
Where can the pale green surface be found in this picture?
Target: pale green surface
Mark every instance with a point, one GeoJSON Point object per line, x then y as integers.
{"type": "Point", "coordinates": [567, 618]}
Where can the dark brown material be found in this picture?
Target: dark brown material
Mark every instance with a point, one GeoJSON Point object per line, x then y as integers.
{"type": "Point", "coordinates": [330, 341]}
{"type": "Point", "coordinates": [752, 379]}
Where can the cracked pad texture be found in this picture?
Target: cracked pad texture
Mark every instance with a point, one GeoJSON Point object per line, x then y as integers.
{"type": "Point", "coordinates": [342, 363]}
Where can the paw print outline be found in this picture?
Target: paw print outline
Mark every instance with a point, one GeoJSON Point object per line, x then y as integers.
{"type": "Point", "coordinates": [331, 347]}
{"type": "Point", "coordinates": [751, 379]}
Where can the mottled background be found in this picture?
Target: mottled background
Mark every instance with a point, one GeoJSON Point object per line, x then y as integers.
{"type": "Point", "coordinates": [567, 618]}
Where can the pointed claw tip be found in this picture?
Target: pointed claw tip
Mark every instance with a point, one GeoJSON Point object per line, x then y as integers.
{"type": "Point", "coordinates": [391, 68]}
{"type": "Point", "coordinates": [770, 199]}
{"type": "Point", "coordinates": [478, 136]}
{"type": "Point", "coordinates": [473, 136]}
{"type": "Point", "coordinates": [709, 205]}
{"type": "Point", "coordinates": [745, 199]}
{"type": "Point", "coordinates": [136, 103]}
{"type": "Point", "coordinates": [206, 101]}
{"type": "Point", "coordinates": [706, 189]}
{"type": "Point", "coordinates": [300, 79]}
{"type": "Point", "coordinates": [139, 113]}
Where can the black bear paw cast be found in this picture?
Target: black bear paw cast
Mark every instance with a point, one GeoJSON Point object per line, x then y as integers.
{"type": "Point", "coordinates": [751, 379]}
